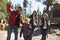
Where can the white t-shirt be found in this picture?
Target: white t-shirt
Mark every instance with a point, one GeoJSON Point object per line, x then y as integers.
{"type": "Point", "coordinates": [45, 25]}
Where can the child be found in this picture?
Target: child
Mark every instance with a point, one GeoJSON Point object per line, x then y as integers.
{"type": "Point", "coordinates": [27, 30]}
{"type": "Point", "coordinates": [44, 25]}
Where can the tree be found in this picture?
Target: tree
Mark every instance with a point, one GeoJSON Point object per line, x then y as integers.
{"type": "Point", "coordinates": [24, 8]}
{"type": "Point", "coordinates": [2, 15]}
{"type": "Point", "coordinates": [49, 3]}
{"type": "Point", "coordinates": [54, 2]}
{"type": "Point", "coordinates": [3, 6]}
{"type": "Point", "coordinates": [25, 5]}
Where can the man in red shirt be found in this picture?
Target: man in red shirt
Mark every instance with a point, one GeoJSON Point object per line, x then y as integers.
{"type": "Point", "coordinates": [12, 21]}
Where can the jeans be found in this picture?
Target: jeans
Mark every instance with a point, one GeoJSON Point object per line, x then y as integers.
{"type": "Point", "coordinates": [44, 33]}
{"type": "Point", "coordinates": [27, 37]}
{"type": "Point", "coordinates": [15, 30]}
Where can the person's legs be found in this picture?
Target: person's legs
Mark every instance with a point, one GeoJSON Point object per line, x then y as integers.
{"type": "Point", "coordinates": [9, 32]}
{"type": "Point", "coordinates": [43, 37]}
{"type": "Point", "coordinates": [29, 38]}
{"type": "Point", "coordinates": [16, 32]}
{"type": "Point", "coordinates": [44, 33]}
{"type": "Point", "coordinates": [32, 30]}
{"type": "Point", "coordinates": [31, 34]}
{"type": "Point", "coordinates": [25, 38]}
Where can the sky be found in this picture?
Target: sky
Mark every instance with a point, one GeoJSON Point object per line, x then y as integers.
{"type": "Point", "coordinates": [34, 5]}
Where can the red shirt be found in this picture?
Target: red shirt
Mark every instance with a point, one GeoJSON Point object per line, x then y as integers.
{"type": "Point", "coordinates": [12, 17]}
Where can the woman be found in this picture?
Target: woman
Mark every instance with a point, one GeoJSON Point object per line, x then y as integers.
{"type": "Point", "coordinates": [33, 21]}
{"type": "Point", "coordinates": [44, 25]}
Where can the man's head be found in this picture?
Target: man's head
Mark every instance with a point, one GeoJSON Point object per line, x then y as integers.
{"type": "Point", "coordinates": [34, 13]}
{"type": "Point", "coordinates": [19, 9]}
{"type": "Point", "coordinates": [45, 15]}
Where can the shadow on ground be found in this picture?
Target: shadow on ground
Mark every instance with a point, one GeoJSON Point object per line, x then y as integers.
{"type": "Point", "coordinates": [37, 33]}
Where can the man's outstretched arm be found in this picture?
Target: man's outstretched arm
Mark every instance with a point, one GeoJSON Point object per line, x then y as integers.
{"type": "Point", "coordinates": [8, 8]}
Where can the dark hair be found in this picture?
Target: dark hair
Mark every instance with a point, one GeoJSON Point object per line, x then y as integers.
{"type": "Point", "coordinates": [20, 7]}
{"type": "Point", "coordinates": [34, 11]}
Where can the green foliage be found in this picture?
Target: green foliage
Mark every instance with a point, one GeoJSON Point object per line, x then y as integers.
{"type": "Point", "coordinates": [24, 15]}
{"type": "Point", "coordinates": [3, 4]}
{"type": "Point", "coordinates": [2, 15]}
{"type": "Point", "coordinates": [25, 3]}
{"type": "Point", "coordinates": [54, 1]}
{"type": "Point", "coordinates": [3, 12]}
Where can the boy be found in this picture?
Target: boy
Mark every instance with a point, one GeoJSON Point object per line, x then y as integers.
{"type": "Point", "coordinates": [27, 30]}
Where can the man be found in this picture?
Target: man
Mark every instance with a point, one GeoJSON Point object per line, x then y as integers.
{"type": "Point", "coordinates": [44, 25]}
{"type": "Point", "coordinates": [13, 21]}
